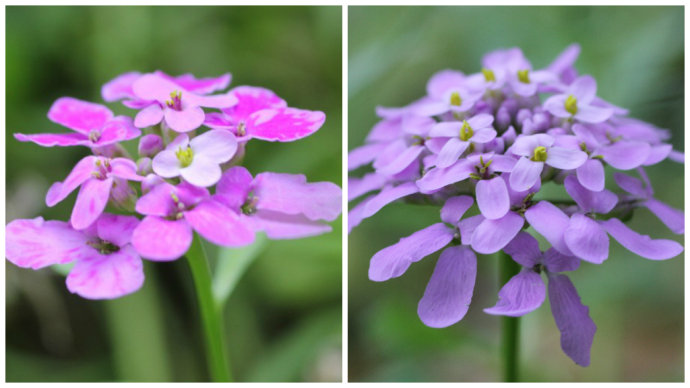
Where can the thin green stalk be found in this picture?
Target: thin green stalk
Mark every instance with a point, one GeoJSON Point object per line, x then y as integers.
{"type": "Point", "coordinates": [510, 326]}
{"type": "Point", "coordinates": [211, 313]}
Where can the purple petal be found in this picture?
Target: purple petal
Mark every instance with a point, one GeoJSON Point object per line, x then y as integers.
{"type": "Point", "coordinates": [55, 139]}
{"type": "Point", "coordinates": [639, 244]}
{"type": "Point", "coordinates": [480, 122]}
{"type": "Point", "coordinates": [446, 129]}
{"type": "Point", "coordinates": [524, 249]}
{"type": "Point", "coordinates": [467, 227]}
{"type": "Point", "coordinates": [363, 155]}
{"type": "Point", "coordinates": [558, 262]}
{"type": "Point", "coordinates": [37, 243]}
{"type": "Point", "coordinates": [107, 276]}
{"type": "Point", "coordinates": [159, 239]}
{"type": "Point", "coordinates": [556, 105]}
{"type": "Point", "coordinates": [449, 292]}
{"type": "Point", "coordinates": [523, 293]}
{"type": "Point", "coordinates": [591, 175]}
{"type": "Point", "coordinates": [80, 173]}
{"type": "Point", "coordinates": [291, 194]}
{"type": "Point", "coordinates": [81, 116]}
{"type": "Point", "coordinates": [394, 260]}
{"type": "Point", "coordinates": [600, 202]}
{"type": "Point", "coordinates": [386, 196]}
{"type": "Point", "coordinates": [632, 185]}
{"type": "Point", "coordinates": [400, 162]}
{"type": "Point", "coordinates": [185, 120]}
{"type": "Point", "coordinates": [657, 154]}
{"type": "Point", "coordinates": [592, 114]}
{"type": "Point", "coordinates": [234, 187]}
{"type": "Point", "coordinates": [625, 155]}
{"type": "Point", "coordinates": [437, 178]}
{"type": "Point", "coordinates": [586, 239]}
{"type": "Point", "coordinates": [166, 164]}
{"type": "Point", "coordinates": [357, 187]}
{"type": "Point", "coordinates": [550, 222]}
{"type": "Point", "coordinates": [284, 124]}
{"type": "Point", "coordinates": [219, 224]}
{"type": "Point", "coordinates": [91, 201]}
{"type": "Point", "coordinates": [564, 158]}
{"type": "Point", "coordinates": [279, 226]}
{"type": "Point", "coordinates": [450, 152]}
{"type": "Point", "coordinates": [120, 87]}
{"type": "Point", "coordinates": [217, 145]}
{"type": "Point", "coordinates": [674, 219]}
{"type": "Point", "coordinates": [440, 82]}
{"type": "Point", "coordinates": [203, 172]}
{"type": "Point", "coordinates": [525, 145]}
{"type": "Point", "coordinates": [525, 174]}
{"type": "Point", "coordinates": [484, 135]}
{"type": "Point", "coordinates": [454, 208]}
{"type": "Point", "coordinates": [149, 116]}
{"type": "Point", "coordinates": [492, 198]}
{"type": "Point", "coordinates": [584, 88]}
{"type": "Point", "coordinates": [677, 156]}
{"type": "Point", "coordinates": [253, 99]}
{"type": "Point", "coordinates": [116, 229]}
{"type": "Point", "coordinates": [492, 235]}
{"type": "Point", "coordinates": [572, 318]}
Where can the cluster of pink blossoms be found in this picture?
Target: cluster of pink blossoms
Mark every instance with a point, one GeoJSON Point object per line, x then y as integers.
{"type": "Point", "coordinates": [495, 138]}
{"type": "Point", "coordinates": [184, 152]}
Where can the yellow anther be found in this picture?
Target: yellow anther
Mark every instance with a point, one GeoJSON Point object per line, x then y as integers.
{"type": "Point", "coordinates": [489, 75]}
{"type": "Point", "coordinates": [466, 131]}
{"type": "Point", "coordinates": [455, 99]}
{"type": "Point", "coordinates": [539, 154]}
{"type": "Point", "coordinates": [185, 156]}
{"type": "Point", "coordinates": [523, 76]}
{"type": "Point", "coordinates": [571, 104]}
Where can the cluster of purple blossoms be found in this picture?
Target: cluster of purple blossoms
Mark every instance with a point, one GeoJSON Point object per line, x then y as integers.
{"type": "Point", "coordinates": [495, 138]}
{"type": "Point", "coordinates": [184, 152]}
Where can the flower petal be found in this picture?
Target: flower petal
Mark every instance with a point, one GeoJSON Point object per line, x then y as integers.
{"type": "Point", "coordinates": [674, 219]}
{"type": "Point", "coordinates": [219, 224]}
{"type": "Point", "coordinates": [525, 174]}
{"type": "Point", "coordinates": [550, 222]}
{"type": "Point", "coordinates": [166, 164]}
{"type": "Point", "coordinates": [124, 168]}
{"type": "Point", "coordinates": [363, 155]}
{"type": "Point", "coordinates": [632, 185]}
{"type": "Point", "coordinates": [492, 235]}
{"type": "Point", "coordinates": [203, 172]}
{"type": "Point", "coordinates": [600, 202]}
{"type": "Point", "coordinates": [107, 276]}
{"type": "Point", "coordinates": [400, 162]}
{"type": "Point", "coordinates": [449, 292]}
{"type": "Point", "coordinates": [149, 116]}
{"type": "Point", "coordinates": [357, 187]}
{"type": "Point", "coordinates": [565, 158]}
{"type": "Point", "coordinates": [115, 228]}
{"type": "Point", "coordinates": [454, 208]}
{"type": "Point", "coordinates": [584, 88]}
{"type": "Point", "coordinates": [234, 187]}
{"type": "Point", "coordinates": [159, 239]}
{"type": "Point", "coordinates": [625, 155]}
{"type": "Point", "coordinates": [524, 249]}
{"type": "Point", "coordinates": [154, 87]}
{"type": "Point", "coordinates": [591, 175]}
{"type": "Point", "coordinates": [158, 201]}
{"type": "Point", "coordinates": [284, 124]}
{"type": "Point", "coordinates": [592, 114]}
{"type": "Point", "coordinates": [217, 145]}
{"type": "Point", "coordinates": [386, 196]}
{"type": "Point", "coordinates": [394, 260]}
{"type": "Point", "coordinates": [586, 239]}
{"type": "Point", "coordinates": [81, 116]}
{"type": "Point", "coordinates": [79, 174]}
{"type": "Point", "coordinates": [639, 244]}
{"type": "Point", "coordinates": [55, 139]}
{"type": "Point", "coordinates": [120, 87]}
{"type": "Point", "coordinates": [451, 151]}
{"type": "Point", "coordinates": [218, 120]}
{"type": "Point", "coordinates": [116, 130]}
{"type": "Point", "coordinates": [185, 120]}
{"type": "Point", "coordinates": [200, 85]}
{"type": "Point", "coordinates": [572, 318]}
{"type": "Point", "coordinates": [440, 82]}
{"type": "Point", "coordinates": [279, 226]}
{"type": "Point", "coordinates": [438, 178]}
{"type": "Point", "coordinates": [558, 262]}
{"type": "Point", "coordinates": [523, 293]}
{"type": "Point", "coordinates": [91, 201]}
{"type": "Point", "coordinates": [253, 99]}
{"type": "Point", "coordinates": [483, 135]}
{"type": "Point", "coordinates": [492, 198]}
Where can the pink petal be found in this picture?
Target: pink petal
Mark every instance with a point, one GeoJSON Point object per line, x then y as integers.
{"type": "Point", "coordinates": [523, 293]}
{"type": "Point", "coordinates": [155, 87]}
{"type": "Point", "coordinates": [116, 229]}
{"type": "Point", "coordinates": [185, 120]}
{"type": "Point", "coordinates": [125, 169]}
{"type": "Point", "coordinates": [218, 121]}
{"type": "Point", "coordinates": [279, 226]}
{"type": "Point", "coordinates": [217, 145]}
{"type": "Point", "coordinates": [149, 116]}
{"type": "Point", "coordinates": [201, 85]}
{"type": "Point", "coordinates": [55, 139]}
{"type": "Point", "coordinates": [219, 224]}
{"type": "Point", "coordinates": [80, 173]}
{"type": "Point", "coordinates": [91, 201]}
{"type": "Point", "coordinates": [159, 239]}
{"type": "Point", "coordinates": [158, 201]}
{"type": "Point", "coordinates": [166, 164]}
{"type": "Point", "coordinates": [37, 243]}
{"type": "Point", "coordinates": [591, 175]}
{"type": "Point", "coordinates": [234, 187]}
{"type": "Point", "coordinates": [107, 276]}
{"type": "Point", "coordinates": [642, 245]}
{"type": "Point", "coordinates": [586, 239]}
{"type": "Point", "coordinates": [218, 101]}
{"type": "Point", "coordinates": [284, 124]}
{"type": "Point", "coordinates": [492, 198]}
{"type": "Point", "coordinates": [81, 116]}
{"type": "Point", "coordinates": [117, 130]}
{"type": "Point", "coordinates": [449, 292]}
{"type": "Point", "coordinates": [253, 99]}
{"type": "Point", "coordinates": [203, 172]}
{"type": "Point", "coordinates": [120, 87]}
{"type": "Point", "coordinates": [550, 222]}
{"type": "Point", "coordinates": [492, 235]}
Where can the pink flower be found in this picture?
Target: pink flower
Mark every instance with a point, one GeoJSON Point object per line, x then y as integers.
{"type": "Point", "coordinates": [96, 176]}
{"type": "Point", "coordinates": [282, 205]}
{"type": "Point", "coordinates": [261, 114]}
{"type": "Point", "coordinates": [174, 212]}
{"type": "Point", "coordinates": [106, 266]}
{"type": "Point", "coordinates": [197, 161]}
{"type": "Point", "coordinates": [94, 125]}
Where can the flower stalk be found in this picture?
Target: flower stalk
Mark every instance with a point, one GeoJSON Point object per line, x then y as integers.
{"type": "Point", "coordinates": [510, 326]}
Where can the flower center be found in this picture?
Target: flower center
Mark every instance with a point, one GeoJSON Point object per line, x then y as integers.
{"type": "Point", "coordinates": [241, 129]}
{"type": "Point", "coordinates": [455, 99]}
{"type": "Point", "coordinates": [489, 75]}
{"type": "Point", "coordinates": [482, 170]}
{"type": "Point", "coordinates": [185, 156]}
{"type": "Point", "coordinates": [539, 154]}
{"type": "Point", "coordinates": [571, 104]}
{"type": "Point", "coordinates": [94, 135]}
{"type": "Point", "coordinates": [466, 131]}
{"type": "Point", "coordinates": [103, 247]}
{"type": "Point", "coordinates": [102, 169]}
{"type": "Point", "coordinates": [175, 101]}
{"type": "Point", "coordinates": [249, 206]}
{"type": "Point", "coordinates": [523, 76]}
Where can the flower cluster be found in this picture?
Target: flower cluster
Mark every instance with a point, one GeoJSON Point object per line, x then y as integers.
{"type": "Point", "coordinates": [495, 138]}
{"type": "Point", "coordinates": [184, 152]}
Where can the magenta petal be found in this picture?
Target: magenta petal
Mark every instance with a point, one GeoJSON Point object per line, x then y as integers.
{"type": "Point", "coordinates": [125, 169]}
{"type": "Point", "coordinates": [524, 249]}
{"type": "Point", "coordinates": [159, 239]}
{"type": "Point", "coordinates": [218, 101]}
{"type": "Point", "coordinates": [234, 187]}
{"type": "Point", "coordinates": [219, 224]}
{"type": "Point", "coordinates": [523, 293]}
{"type": "Point", "coordinates": [185, 120]}
{"type": "Point", "coordinates": [586, 239]}
{"type": "Point", "coordinates": [492, 235]}
{"type": "Point", "coordinates": [157, 202]}
{"type": "Point", "coordinates": [149, 116]}
{"type": "Point", "coordinates": [79, 174]}
{"type": "Point", "coordinates": [673, 218]}
{"type": "Point", "coordinates": [591, 175]}
{"type": "Point", "coordinates": [37, 243]}
{"type": "Point", "coordinates": [91, 201]}
{"type": "Point", "coordinates": [600, 202]}
{"type": "Point", "coordinates": [291, 194]}
{"type": "Point", "coordinates": [120, 87]}
{"type": "Point", "coordinates": [492, 198]}
{"type": "Point", "coordinates": [639, 244]}
{"type": "Point", "coordinates": [218, 120]}
{"type": "Point", "coordinates": [116, 130]}
{"type": "Point", "coordinates": [525, 174]}
{"type": "Point", "coordinates": [253, 99]}
{"type": "Point", "coordinates": [107, 276]}
{"type": "Point", "coordinates": [572, 318]}
{"type": "Point", "coordinates": [116, 229]}
{"type": "Point", "coordinates": [56, 139]}
{"type": "Point", "coordinates": [279, 226]}
{"type": "Point", "coordinates": [454, 208]}
{"type": "Point", "coordinates": [285, 124]}
{"type": "Point", "coordinates": [449, 292]}
{"type": "Point", "coordinates": [394, 260]}
{"type": "Point", "coordinates": [201, 85]}
{"type": "Point", "coordinates": [625, 155]}
{"type": "Point", "coordinates": [550, 222]}
{"type": "Point", "coordinates": [81, 116]}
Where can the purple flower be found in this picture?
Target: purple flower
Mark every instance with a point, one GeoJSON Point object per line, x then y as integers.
{"type": "Point", "coordinates": [174, 212]}
{"type": "Point", "coordinates": [96, 176]}
{"type": "Point", "coordinates": [198, 160]}
{"type": "Point", "coordinates": [180, 108]}
{"type": "Point", "coordinates": [150, 145]}
{"type": "Point", "coordinates": [261, 114]}
{"type": "Point", "coordinates": [106, 266]}
{"type": "Point", "coordinates": [284, 206]}
{"type": "Point", "coordinates": [526, 291]}
{"type": "Point", "coordinates": [460, 135]}
{"type": "Point", "coordinates": [576, 102]}
{"type": "Point", "coordinates": [94, 125]}
{"type": "Point", "coordinates": [484, 166]}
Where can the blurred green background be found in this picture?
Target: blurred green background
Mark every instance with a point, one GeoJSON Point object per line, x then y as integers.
{"type": "Point", "coordinates": [636, 55]}
{"type": "Point", "coordinates": [283, 322]}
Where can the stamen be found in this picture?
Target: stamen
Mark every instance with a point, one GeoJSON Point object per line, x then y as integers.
{"type": "Point", "coordinates": [571, 104]}
{"type": "Point", "coordinates": [455, 99]}
{"type": "Point", "coordinates": [466, 131]}
{"type": "Point", "coordinates": [523, 76]}
{"type": "Point", "coordinates": [175, 101]}
{"type": "Point", "coordinates": [241, 129]}
{"type": "Point", "coordinates": [94, 135]}
{"type": "Point", "coordinates": [185, 156]}
{"type": "Point", "coordinates": [489, 75]}
{"type": "Point", "coordinates": [539, 154]}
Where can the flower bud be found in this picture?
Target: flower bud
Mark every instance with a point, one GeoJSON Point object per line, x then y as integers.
{"type": "Point", "coordinates": [150, 145]}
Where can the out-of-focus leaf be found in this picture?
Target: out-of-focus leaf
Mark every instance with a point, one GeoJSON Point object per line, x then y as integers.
{"type": "Point", "coordinates": [232, 264]}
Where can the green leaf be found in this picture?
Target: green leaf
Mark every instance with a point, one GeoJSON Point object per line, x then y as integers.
{"type": "Point", "coordinates": [232, 264]}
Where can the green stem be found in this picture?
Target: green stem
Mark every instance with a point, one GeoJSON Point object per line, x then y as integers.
{"type": "Point", "coordinates": [211, 314]}
{"type": "Point", "coordinates": [509, 325]}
